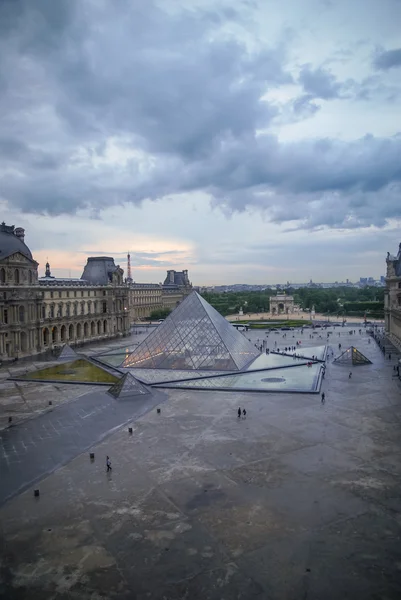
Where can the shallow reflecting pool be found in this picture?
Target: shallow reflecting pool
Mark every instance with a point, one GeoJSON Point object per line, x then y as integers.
{"type": "Point", "coordinates": [80, 370]}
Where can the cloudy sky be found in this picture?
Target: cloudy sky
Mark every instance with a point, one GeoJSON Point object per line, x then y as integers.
{"type": "Point", "coordinates": [247, 141]}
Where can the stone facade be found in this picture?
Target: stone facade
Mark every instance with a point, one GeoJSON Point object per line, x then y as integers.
{"type": "Point", "coordinates": [144, 298]}
{"type": "Point", "coordinates": [392, 298]}
{"type": "Point", "coordinates": [282, 305]}
{"type": "Point", "coordinates": [39, 314]}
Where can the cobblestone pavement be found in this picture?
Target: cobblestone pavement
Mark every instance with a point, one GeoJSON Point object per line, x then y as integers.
{"type": "Point", "coordinates": [298, 501]}
{"type": "Point", "coordinates": [38, 446]}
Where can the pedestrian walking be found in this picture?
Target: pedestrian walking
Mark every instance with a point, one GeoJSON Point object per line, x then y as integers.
{"type": "Point", "coordinates": [323, 398]}
{"type": "Point", "coordinates": [239, 412]}
{"type": "Point", "coordinates": [350, 375]}
{"type": "Point", "coordinates": [108, 464]}
{"type": "Point", "coordinates": [244, 413]}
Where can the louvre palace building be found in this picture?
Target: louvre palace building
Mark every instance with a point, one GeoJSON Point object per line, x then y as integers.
{"type": "Point", "coordinates": [38, 314]}
{"type": "Point", "coordinates": [392, 298]}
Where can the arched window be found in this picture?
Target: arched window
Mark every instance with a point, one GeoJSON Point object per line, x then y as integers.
{"type": "Point", "coordinates": [21, 314]}
{"type": "Point", "coordinates": [2, 275]}
{"type": "Point", "coordinates": [68, 310]}
{"type": "Point", "coordinates": [82, 308]}
{"type": "Point", "coordinates": [60, 310]}
{"type": "Point", "coordinates": [52, 311]}
{"type": "Point", "coordinates": [75, 309]}
{"type": "Point", "coordinates": [16, 276]}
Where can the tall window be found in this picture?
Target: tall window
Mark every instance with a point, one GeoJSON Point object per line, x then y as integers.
{"type": "Point", "coordinates": [21, 314]}
{"type": "Point", "coordinates": [2, 276]}
{"type": "Point", "coordinates": [68, 310]}
{"type": "Point", "coordinates": [43, 311]}
{"type": "Point", "coordinates": [5, 316]}
{"type": "Point", "coordinates": [105, 307]}
{"type": "Point", "coordinates": [52, 311]}
{"type": "Point", "coordinates": [75, 309]}
{"type": "Point", "coordinates": [60, 310]}
{"type": "Point", "coordinates": [16, 276]}
{"type": "Point", "coordinates": [82, 308]}
{"type": "Point", "coordinates": [30, 277]}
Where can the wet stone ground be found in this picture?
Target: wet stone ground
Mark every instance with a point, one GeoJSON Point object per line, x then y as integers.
{"type": "Point", "coordinates": [298, 501]}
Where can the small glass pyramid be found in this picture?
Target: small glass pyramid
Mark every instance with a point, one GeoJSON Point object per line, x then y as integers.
{"type": "Point", "coordinates": [127, 387]}
{"type": "Point", "coordinates": [67, 353]}
{"type": "Point", "coordinates": [194, 336]}
{"type": "Point", "coordinates": [352, 356]}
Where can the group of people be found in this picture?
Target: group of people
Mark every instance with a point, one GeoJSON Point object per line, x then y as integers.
{"type": "Point", "coordinates": [241, 413]}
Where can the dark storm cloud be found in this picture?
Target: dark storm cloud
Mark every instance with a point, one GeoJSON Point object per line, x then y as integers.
{"type": "Point", "coordinates": [388, 59]}
{"type": "Point", "coordinates": [176, 87]}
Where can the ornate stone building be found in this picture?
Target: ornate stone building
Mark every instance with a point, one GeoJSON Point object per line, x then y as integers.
{"type": "Point", "coordinates": [144, 298]}
{"type": "Point", "coordinates": [392, 298]}
{"type": "Point", "coordinates": [38, 314]}
{"type": "Point", "coordinates": [283, 305]}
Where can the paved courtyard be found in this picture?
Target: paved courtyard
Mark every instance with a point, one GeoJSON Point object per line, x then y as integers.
{"type": "Point", "coordinates": [298, 501]}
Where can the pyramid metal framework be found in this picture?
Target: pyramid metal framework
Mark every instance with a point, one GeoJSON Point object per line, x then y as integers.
{"type": "Point", "coordinates": [67, 353]}
{"type": "Point", "coordinates": [352, 356]}
{"type": "Point", "coordinates": [127, 387]}
{"type": "Point", "coordinates": [194, 336]}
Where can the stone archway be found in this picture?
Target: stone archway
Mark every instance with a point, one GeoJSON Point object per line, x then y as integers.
{"type": "Point", "coordinates": [54, 335]}
{"type": "Point", "coordinates": [63, 333]}
{"type": "Point", "coordinates": [93, 329]}
{"type": "Point", "coordinates": [105, 326]}
{"type": "Point", "coordinates": [71, 332]}
{"type": "Point", "coordinates": [86, 329]}
{"type": "Point", "coordinates": [281, 307]}
{"type": "Point", "coordinates": [79, 331]}
{"type": "Point", "coordinates": [45, 337]}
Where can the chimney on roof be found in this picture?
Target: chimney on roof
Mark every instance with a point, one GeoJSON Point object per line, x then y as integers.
{"type": "Point", "coordinates": [20, 233]}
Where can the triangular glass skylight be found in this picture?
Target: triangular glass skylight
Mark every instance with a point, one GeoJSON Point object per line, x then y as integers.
{"type": "Point", "coordinates": [67, 353]}
{"type": "Point", "coordinates": [194, 336]}
{"type": "Point", "coordinates": [352, 356]}
{"type": "Point", "coordinates": [128, 386]}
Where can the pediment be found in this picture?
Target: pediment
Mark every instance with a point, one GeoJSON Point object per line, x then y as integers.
{"type": "Point", "coordinates": [17, 257]}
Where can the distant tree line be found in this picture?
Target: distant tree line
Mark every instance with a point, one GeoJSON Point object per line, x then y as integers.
{"type": "Point", "coordinates": [331, 301]}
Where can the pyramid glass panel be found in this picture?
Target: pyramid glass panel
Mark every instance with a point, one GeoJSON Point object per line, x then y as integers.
{"type": "Point", "coordinates": [352, 356]}
{"type": "Point", "coordinates": [301, 378]}
{"type": "Point", "coordinates": [195, 336]}
{"type": "Point", "coordinates": [152, 376]}
{"type": "Point", "coordinates": [67, 353]}
{"type": "Point", "coordinates": [128, 387]}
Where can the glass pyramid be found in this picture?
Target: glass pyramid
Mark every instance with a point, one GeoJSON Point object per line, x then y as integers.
{"type": "Point", "coordinates": [352, 356]}
{"type": "Point", "coordinates": [195, 336]}
{"type": "Point", "coordinates": [67, 353]}
{"type": "Point", "coordinates": [127, 387]}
